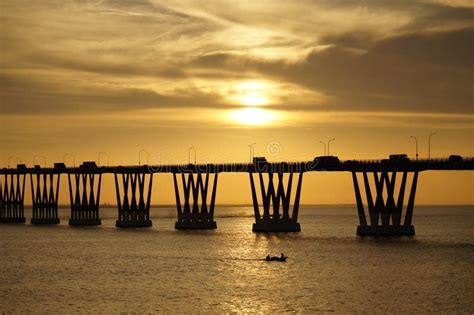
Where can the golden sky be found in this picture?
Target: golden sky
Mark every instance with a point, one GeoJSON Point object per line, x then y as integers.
{"type": "Point", "coordinates": [81, 77]}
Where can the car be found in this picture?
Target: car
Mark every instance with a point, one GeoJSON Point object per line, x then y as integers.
{"type": "Point", "coordinates": [59, 165]}
{"type": "Point", "coordinates": [455, 159]}
{"type": "Point", "coordinates": [259, 159]}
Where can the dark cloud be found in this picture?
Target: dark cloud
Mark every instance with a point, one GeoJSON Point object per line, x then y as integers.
{"type": "Point", "coordinates": [25, 95]}
{"type": "Point", "coordinates": [413, 72]}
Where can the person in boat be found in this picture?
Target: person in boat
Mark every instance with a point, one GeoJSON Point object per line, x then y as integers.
{"type": "Point", "coordinates": [268, 257]}
{"type": "Point", "coordinates": [282, 256]}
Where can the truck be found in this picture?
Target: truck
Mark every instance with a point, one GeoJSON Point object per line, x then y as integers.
{"type": "Point", "coordinates": [399, 158]}
{"type": "Point", "coordinates": [327, 161]}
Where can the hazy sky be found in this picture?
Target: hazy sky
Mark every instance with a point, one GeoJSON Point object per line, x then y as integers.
{"type": "Point", "coordinates": [81, 77]}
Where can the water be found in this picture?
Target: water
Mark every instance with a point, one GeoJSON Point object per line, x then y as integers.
{"type": "Point", "coordinates": [103, 269]}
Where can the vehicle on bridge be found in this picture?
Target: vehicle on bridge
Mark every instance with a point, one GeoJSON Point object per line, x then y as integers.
{"type": "Point", "coordinates": [455, 159]}
{"type": "Point", "coordinates": [259, 159]}
{"type": "Point", "coordinates": [327, 161]}
{"type": "Point", "coordinates": [397, 159]}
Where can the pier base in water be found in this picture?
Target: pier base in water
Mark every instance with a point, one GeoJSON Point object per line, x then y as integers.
{"type": "Point", "coordinates": [12, 220]}
{"type": "Point", "coordinates": [206, 225]}
{"type": "Point", "coordinates": [41, 221]}
{"type": "Point", "coordinates": [279, 226]}
{"type": "Point", "coordinates": [84, 222]}
{"type": "Point", "coordinates": [386, 230]}
{"type": "Point", "coordinates": [133, 224]}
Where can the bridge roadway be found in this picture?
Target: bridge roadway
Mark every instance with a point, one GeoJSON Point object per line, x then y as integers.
{"type": "Point", "coordinates": [260, 167]}
{"type": "Point", "coordinates": [383, 212]}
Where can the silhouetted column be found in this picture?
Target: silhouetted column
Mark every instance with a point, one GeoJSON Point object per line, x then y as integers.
{"type": "Point", "coordinates": [44, 196]}
{"type": "Point", "coordinates": [12, 192]}
{"type": "Point", "coordinates": [84, 195]}
{"type": "Point", "coordinates": [385, 214]}
{"type": "Point", "coordinates": [133, 201]}
{"type": "Point", "coordinates": [196, 215]}
{"type": "Point", "coordinates": [276, 216]}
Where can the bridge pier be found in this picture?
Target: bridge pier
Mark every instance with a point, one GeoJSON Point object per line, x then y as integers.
{"type": "Point", "coordinates": [272, 199]}
{"type": "Point", "coordinates": [12, 193]}
{"type": "Point", "coordinates": [133, 211]}
{"type": "Point", "coordinates": [198, 216]}
{"type": "Point", "coordinates": [44, 196]}
{"type": "Point", "coordinates": [385, 214]}
{"type": "Point", "coordinates": [85, 205]}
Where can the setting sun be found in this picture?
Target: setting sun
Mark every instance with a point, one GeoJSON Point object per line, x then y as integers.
{"type": "Point", "coordinates": [253, 116]}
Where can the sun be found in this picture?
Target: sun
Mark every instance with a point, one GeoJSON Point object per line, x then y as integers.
{"type": "Point", "coordinates": [253, 116]}
{"type": "Point", "coordinates": [252, 93]}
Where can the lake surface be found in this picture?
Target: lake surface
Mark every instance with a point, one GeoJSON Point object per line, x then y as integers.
{"type": "Point", "coordinates": [57, 269]}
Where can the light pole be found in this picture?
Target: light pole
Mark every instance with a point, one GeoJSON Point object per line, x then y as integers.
{"type": "Point", "coordinates": [147, 156]}
{"type": "Point", "coordinates": [416, 146]}
{"type": "Point", "coordinates": [329, 142]}
{"type": "Point", "coordinates": [189, 154]}
{"type": "Point", "coordinates": [251, 151]}
{"type": "Point", "coordinates": [98, 157]}
{"type": "Point", "coordinates": [73, 157]}
{"type": "Point", "coordinates": [324, 144]}
{"type": "Point", "coordinates": [429, 144]}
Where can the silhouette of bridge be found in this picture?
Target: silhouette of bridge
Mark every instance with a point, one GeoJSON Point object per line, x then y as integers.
{"type": "Point", "coordinates": [384, 211]}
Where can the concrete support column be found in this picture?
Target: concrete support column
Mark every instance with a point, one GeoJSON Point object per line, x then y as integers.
{"type": "Point", "coordinates": [385, 214]}
{"type": "Point", "coordinates": [276, 216]}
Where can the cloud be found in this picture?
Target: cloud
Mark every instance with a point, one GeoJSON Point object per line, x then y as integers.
{"type": "Point", "coordinates": [373, 55]}
{"type": "Point", "coordinates": [411, 72]}
{"type": "Point", "coordinates": [25, 95]}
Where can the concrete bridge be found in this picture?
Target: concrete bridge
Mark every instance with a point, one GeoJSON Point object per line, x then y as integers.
{"type": "Point", "coordinates": [385, 210]}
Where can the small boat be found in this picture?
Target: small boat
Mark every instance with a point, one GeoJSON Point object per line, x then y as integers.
{"type": "Point", "coordinates": [281, 258]}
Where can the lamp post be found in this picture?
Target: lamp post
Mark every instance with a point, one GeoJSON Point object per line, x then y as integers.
{"type": "Point", "coordinates": [251, 151]}
{"type": "Point", "coordinates": [147, 156]}
{"type": "Point", "coordinates": [98, 157]}
{"type": "Point", "coordinates": [324, 144]}
{"type": "Point", "coordinates": [429, 144]}
{"type": "Point", "coordinates": [416, 146]}
{"type": "Point", "coordinates": [73, 157]}
{"type": "Point", "coordinates": [329, 142]}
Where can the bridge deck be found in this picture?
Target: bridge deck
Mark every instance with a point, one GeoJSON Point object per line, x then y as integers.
{"type": "Point", "coordinates": [262, 167]}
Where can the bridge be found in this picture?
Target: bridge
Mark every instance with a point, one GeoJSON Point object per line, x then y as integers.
{"type": "Point", "coordinates": [385, 210]}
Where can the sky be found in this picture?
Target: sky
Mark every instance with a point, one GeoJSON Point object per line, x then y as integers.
{"type": "Point", "coordinates": [90, 76]}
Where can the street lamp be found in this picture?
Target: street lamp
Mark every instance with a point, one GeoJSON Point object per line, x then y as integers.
{"type": "Point", "coordinates": [73, 157]}
{"type": "Point", "coordinates": [251, 151]}
{"type": "Point", "coordinates": [329, 142]}
{"type": "Point", "coordinates": [429, 144]}
{"type": "Point", "coordinates": [147, 156]}
{"type": "Point", "coordinates": [324, 144]}
{"type": "Point", "coordinates": [416, 146]}
{"type": "Point", "coordinates": [98, 157]}
{"type": "Point", "coordinates": [189, 154]}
